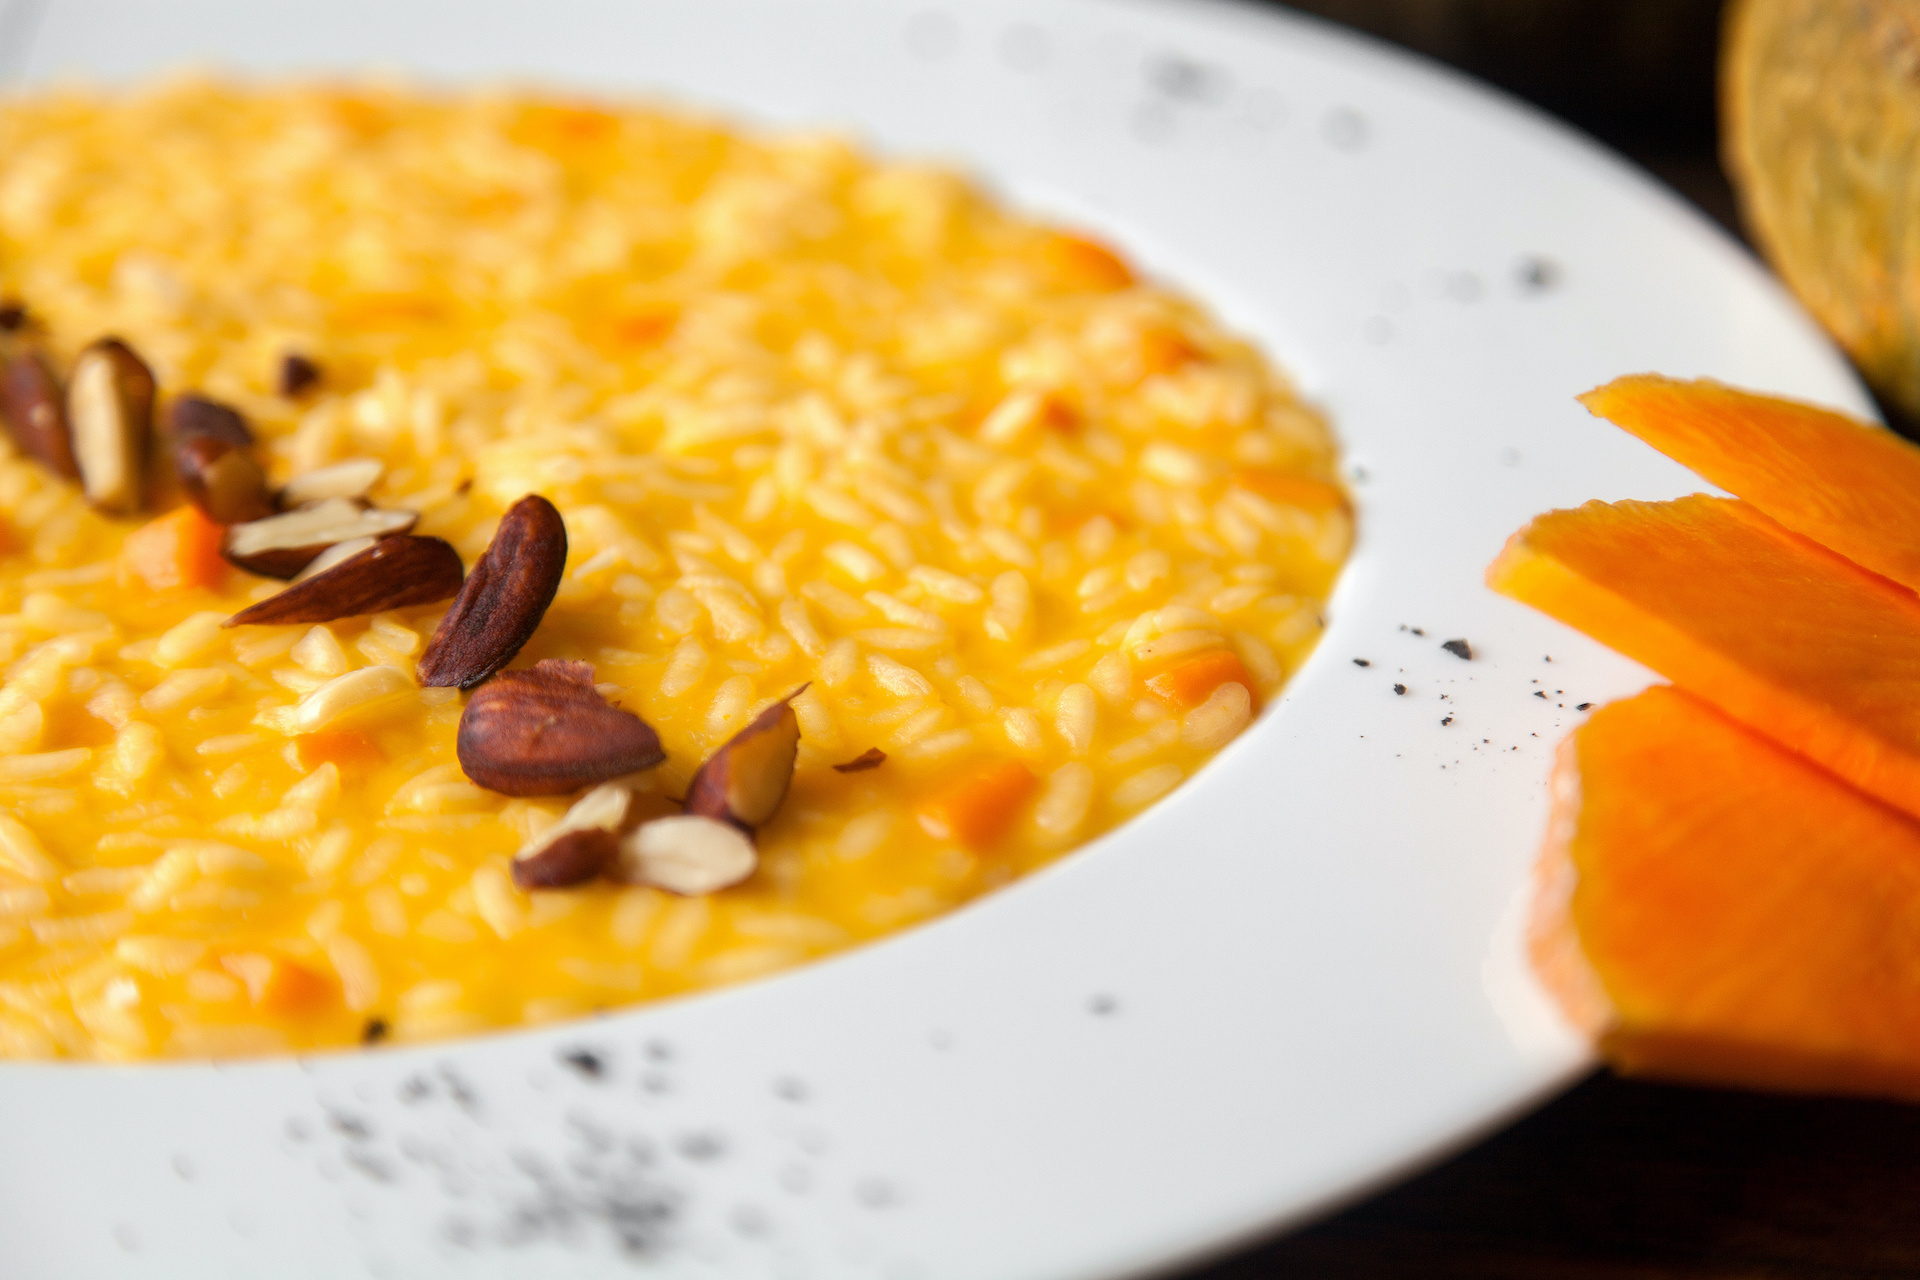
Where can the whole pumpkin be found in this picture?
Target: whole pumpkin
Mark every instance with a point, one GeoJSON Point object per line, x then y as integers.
{"type": "Point", "coordinates": [1820, 133]}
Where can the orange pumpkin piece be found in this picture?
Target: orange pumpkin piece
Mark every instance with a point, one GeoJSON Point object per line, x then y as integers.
{"type": "Point", "coordinates": [977, 808]}
{"type": "Point", "coordinates": [278, 985]}
{"type": "Point", "coordinates": [1844, 483]}
{"type": "Point", "coordinates": [179, 549]}
{"type": "Point", "coordinates": [1777, 632]}
{"type": "Point", "coordinates": [1709, 906]}
{"type": "Point", "coordinates": [1190, 682]}
{"type": "Point", "coordinates": [1087, 264]}
{"type": "Point", "coordinates": [348, 750]}
{"type": "Point", "coordinates": [1294, 490]}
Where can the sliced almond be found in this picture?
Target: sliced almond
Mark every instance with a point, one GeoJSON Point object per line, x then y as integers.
{"type": "Point", "coordinates": [31, 407]}
{"type": "Point", "coordinates": [110, 413]}
{"type": "Point", "coordinates": [506, 594]}
{"type": "Point", "coordinates": [298, 374]}
{"type": "Point", "coordinates": [338, 553]}
{"type": "Point", "coordinates": [547, 731]}
{"type": "Point", "coordinates": [281, 546]}
{"type": "Point", "coordinates": [350, 479]}
{"type": "Point", "coordinates": [686, 854]}
{"type": "Point", "coordinates": [745, 780]}
{"type": "Point", "coordinates": [391, 574]}
{"type": "Point", "coordinates": [584, 843]}
{"type": "Point", "coordinates": [222, 479]}
{"type": "Point", "coordinates": [198, 416]}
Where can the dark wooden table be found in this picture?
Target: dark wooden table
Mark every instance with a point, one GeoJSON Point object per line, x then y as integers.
{"type": "Point", "coordinates": [1617, 1179]}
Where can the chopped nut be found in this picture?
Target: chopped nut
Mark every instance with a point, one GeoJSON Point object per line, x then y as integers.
{"type": "Point", "coordinates": [871, 758]}
{"type": "Point", "coordinates": [281, 546]}
{"type": "Point", "coordinates": [110, 414]}
{"type": "Point", "coordinates": [505, 596]}
{"type": "Point", "coordinates": [745, 780]}
{"type": "Point", "coordinates": [197, 416]}
{"type": "Point", "coordinates": [349, 479]}
{"type": "Point", "coordinates": [222, 479]}
{"type": "Point", "coordinates": [30, 405]}
{"type": "Point", "coordinates": [298, 374]}
{"type": "Point", "coordinates": [547, 731]}
{"type": "Point", "coordinates": [686, 854]}
{"type": "Point", "coordinates": [580, 846]}
{"type": "Point", "coordinates": [338, 553]}
{"type": "Point", "coordinates": [391, 574]}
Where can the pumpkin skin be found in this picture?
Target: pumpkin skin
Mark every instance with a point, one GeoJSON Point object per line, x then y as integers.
{"type": "Point", "coordinates": [1777, 632]}
{"type": "Point", "coordinates": [1848, 485]}
{"type": "Point", "coordinates": [1819, 109]}
{"type": "Point", "coordinates": [1711, 907]}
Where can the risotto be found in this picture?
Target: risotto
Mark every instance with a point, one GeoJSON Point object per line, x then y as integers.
{"type": "Point", "coordinates": [735, 440]}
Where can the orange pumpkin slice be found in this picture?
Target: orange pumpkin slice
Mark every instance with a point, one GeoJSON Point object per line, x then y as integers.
{"type": "Point", "coordinates": [1710, 907]}
{"type": "Point", "coordinates": [1844, 483]}
{"type": "Point", "coordinates": [1782, 635]}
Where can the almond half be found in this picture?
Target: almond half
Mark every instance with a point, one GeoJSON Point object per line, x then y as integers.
{"type": "Point", "coordinates": [506, 595]}
{"type": "Point", "coordinates": [110, 416]}
{"type": "Point", "coordinates": [547, 731]}
{"type": "Point", "coordinates": [350, 479]}
{"type": "Point", "coordinates": [222, 479]}
{"type": "Point", "coordinates": [282, 545]}
{"type": "Point", "coordinates": [191, 416]}
{"type": "Point", "coordinates": [746, 779]}
{"type": "Point", "coordinates": [30, 405]}
{"type": "Point", "coordinates": [584, 843]}
{"type": "Point", "coordinates": [391, 574]}
{"type": "Point", "coordinates": [686, 854]}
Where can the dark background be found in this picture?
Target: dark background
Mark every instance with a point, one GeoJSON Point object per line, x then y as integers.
{"type": "Point", "coordinates": [1623, 1180]}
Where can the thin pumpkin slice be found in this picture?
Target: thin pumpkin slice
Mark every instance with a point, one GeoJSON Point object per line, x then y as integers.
{"type": "Point", "coordinates": [1708, 906]}
{"type": "Point", "coordinates": [1781, 634]}
{"type": "Point", "coordinates": [1846, 484]}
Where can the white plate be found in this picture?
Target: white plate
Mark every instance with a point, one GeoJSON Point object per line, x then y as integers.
{"type": "Point", "coordinates": [1297, 977]}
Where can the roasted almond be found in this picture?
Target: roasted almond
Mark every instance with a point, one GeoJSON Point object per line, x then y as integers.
{"type": "Point", "coordinates": [584, 843]}
{"type": "Point", "coordinates": [338, 553]}
{"type": "Point", "coordinates": [30, 404]}
{"type": "Point", "coordinates": [350, 479]}
{"type": "Point", "coordinates": [547, 731]}
{"type": "Point", "coordinates": [199, 416]}
{"type": "Point", "coordinates": [110, 415]}
{"type": "Point", "coordinates": [686, 854]}
{"type": "Point", "coordinates": [391, 574]}
{"type": "Point", "coordinates": [282, 545]}
{"type": "Point", "coordinates": [745, 780]}
{"type": "Point", "coordinates": [222, 479]}
{"type": "Point", "coordinates": [506, 595]}
{"type": "Point", "coordinates": [298, 374]}
{"type": "Point", "coordinates": [871, 758]}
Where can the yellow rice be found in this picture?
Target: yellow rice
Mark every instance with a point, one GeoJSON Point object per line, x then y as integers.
{"type": "Point", "coordinates": [809, 416]}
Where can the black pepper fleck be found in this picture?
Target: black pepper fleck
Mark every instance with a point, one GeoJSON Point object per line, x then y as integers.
{"type": "Point", "coordinates": [1583, 706]}
{"type": "Point", "coordinates": [298, 374]}
{"type": "Point", "coordinates": [1361, 662]}
{"type": "Point", "coordinates": [586, 1062]}
{"type": "Point", "coordinates": [1447, 721]}
{"type": "Point", "coordinates": [374, 1032]}
{"type": "Point", "coordinates": [1399, 688]}
{"type": "Point", "coordinates": [1540, 693]}
{"type": "Point", "coordinates": [1459, 649]}
{"type": "Point", "coordinates": [13, 317]}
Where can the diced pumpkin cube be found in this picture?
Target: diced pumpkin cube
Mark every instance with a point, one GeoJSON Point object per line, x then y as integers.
{"type": "Point", "coordinates": [348, 749]}
{"type": "Point", "coordinates": [978, 807]}
{"type": "Point", "coordinates": [179, 549]}
{"type": "Point", "coordinates": [278, 985]}
{"type": "Point", "coordinates": [1191, 681]}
